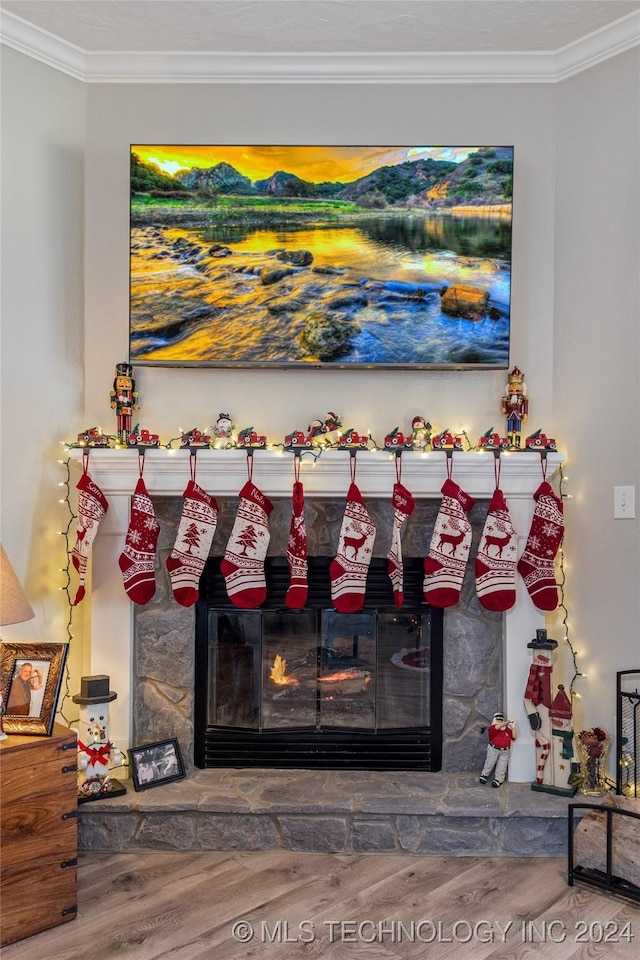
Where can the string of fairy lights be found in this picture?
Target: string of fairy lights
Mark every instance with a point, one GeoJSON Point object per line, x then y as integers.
{"type": "Point", "coordinates": [561, 579]}
{"type": "Point", "coordinates": [69, 537]}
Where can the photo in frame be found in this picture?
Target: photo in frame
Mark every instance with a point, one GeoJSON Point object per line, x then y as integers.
{"type": "Point", "coordinates": [153, 764]}
{"type": "Point", "coordinates": [321, 256]}
{"type": "Point", "coordinates": [30, 680]}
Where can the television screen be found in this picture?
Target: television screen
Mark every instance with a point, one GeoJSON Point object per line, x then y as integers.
{"type": "Point", "coordinates": [276, 256]}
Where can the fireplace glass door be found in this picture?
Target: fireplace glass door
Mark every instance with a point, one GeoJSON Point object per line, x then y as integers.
{"type": "Point", "coordinates": [314, 687]}
{"type": "Point", "coordinates": [289, 670]}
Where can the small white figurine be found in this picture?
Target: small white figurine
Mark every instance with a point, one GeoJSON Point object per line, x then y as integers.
{"type": "Point", "coordinates": [502, 733]}
{"type": "Point", "coordinates": [95, 750]}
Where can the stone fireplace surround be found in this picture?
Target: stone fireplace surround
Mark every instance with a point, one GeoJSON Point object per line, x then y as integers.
{"type": "Point", "coordinates": [346, 811]}
{"type": "Point", "coordinates": [483, 651]}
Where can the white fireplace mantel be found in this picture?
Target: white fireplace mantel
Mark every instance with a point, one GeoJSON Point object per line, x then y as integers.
{"type": "Point", "coordinates": [224, 472]}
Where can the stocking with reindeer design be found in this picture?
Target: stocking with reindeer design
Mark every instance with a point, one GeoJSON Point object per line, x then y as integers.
{"type": "Point", "coordinates": [348, 570]}
{"type": "Point", "coordinates": [450, 544]}
{"type": "Point", "coordinates": [497, 554]}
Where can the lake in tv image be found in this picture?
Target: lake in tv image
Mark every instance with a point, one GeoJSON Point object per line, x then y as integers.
{"type": "Point", "coordinates": [342, 256]}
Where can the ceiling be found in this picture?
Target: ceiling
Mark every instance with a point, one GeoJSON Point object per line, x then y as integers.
{"type": "Point", "coordinates": [101, 38]}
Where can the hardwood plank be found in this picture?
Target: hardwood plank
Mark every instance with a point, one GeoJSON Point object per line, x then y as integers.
{"type": "Point", "coordinates": [161, 905]}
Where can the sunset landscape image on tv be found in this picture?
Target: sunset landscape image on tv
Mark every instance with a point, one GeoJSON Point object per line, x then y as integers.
{"type": "Point", "coordinates": [341, 256]}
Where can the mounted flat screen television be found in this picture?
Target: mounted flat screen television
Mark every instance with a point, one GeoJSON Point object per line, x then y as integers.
{"type": "Point", "coordinates": [284, 256]}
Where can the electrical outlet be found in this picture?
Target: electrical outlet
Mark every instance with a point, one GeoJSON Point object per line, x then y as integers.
{"type": "Point", "coordinates": [624, 503]}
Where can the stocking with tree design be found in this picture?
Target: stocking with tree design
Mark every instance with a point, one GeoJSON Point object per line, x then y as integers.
{"type": "Point", "coordinates": [243, 563]}
{"type": "Point", "coordinates": [193, 541]}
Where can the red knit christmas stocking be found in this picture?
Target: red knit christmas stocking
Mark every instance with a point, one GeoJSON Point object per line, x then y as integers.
{"type": "Point", "coordinates": [191, 549]}
{"type": "Point", "coordinates": [243, 563]}
{"type": "Point", "coordinates": [496, 559]}
{"type": "Point", "coordinates": [545, 536]}
{"type": "Point", "coordinates": [449, 550]}
{"type": "Point", "coordinates": [403, 505]}
{"type": "Point", "coordinates": [137, 559]}
{"type": "Point", "coordinates": [348, 571]}
{"type": "Point", "coordinates": [297, 549]}
{"type": "Point", "coordinates": [92, 506]}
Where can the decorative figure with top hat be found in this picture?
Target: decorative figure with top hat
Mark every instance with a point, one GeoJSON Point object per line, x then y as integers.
{"type": "Point", "coordinates": [124, 399]}
{"type": "Point", "coordinates": [516, 406]}
{"type": "Point", "coordinates": [550, 719]}
{"type": "Point", "coordinates": [502, 733]}
{"type": "Point", "coordinates": [95, 750]}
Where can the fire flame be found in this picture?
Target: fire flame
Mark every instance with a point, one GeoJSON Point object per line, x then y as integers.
{"type": "Point", "coordinates": [278, 673]}
{"type": "Point", "coordinates": [343, 675]}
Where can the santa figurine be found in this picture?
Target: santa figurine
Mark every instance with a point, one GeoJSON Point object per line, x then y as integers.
{"type": "Point", "coordinates": [95, 750]}
{"type": "Point", "coordinates": [502, 733]}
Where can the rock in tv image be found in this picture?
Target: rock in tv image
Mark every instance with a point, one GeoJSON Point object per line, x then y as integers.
{"type": "Point", "coordinates": [316, 256]}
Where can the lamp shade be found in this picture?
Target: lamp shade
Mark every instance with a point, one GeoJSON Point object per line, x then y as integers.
{"type": "Point", "coordinates": [14, 606]}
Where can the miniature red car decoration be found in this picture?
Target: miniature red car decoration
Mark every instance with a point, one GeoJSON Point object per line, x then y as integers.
{"type": "Point", "coordinates": [396, 439]}
{"type": "Point", "coordinates": [491, 439]}
{"type": "Point", "coordinates": [249, 438]}
{"type": "Point", "coordinates": [142, 438]}
{"type": "Point", "coordinates": [298, 439]}
{"type": "Point", "coordinates": [446, 441]}
{"type": "Point", "coordinates": [92, 437]}
{"type": "Point", "coordinates": [195, 438]}
{"type": "Point", "coordinates": [539, 441]}
{"type": "Point", "coordinates": [353, 439]}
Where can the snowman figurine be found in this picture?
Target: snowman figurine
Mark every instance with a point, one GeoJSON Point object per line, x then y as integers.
{"type": "Point", "coordinates": [95, 750]}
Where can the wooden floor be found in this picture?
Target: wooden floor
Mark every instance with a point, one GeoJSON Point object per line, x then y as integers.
{"type": "Point", "coordinates": [223, 906]}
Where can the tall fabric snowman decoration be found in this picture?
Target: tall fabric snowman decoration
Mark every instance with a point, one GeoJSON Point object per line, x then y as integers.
{"type": "Point", "coordinates": [95, 750]}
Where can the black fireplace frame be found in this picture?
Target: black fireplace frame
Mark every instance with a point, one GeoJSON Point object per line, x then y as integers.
{"type": "Point", "coordinates": [417, 748]}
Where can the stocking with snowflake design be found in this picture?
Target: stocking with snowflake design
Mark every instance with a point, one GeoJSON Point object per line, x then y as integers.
{"type": "Point", "coordinates": [297, 548]}
{"type": "Point", "coordinates": [495, 566]}
{"type": "Point", "coordinates": [348, 571]}
{"type": "Point", "coordinates": [92, 506]}
{"type": "Point", "coordinates": [403, 506]}
{"type": "Point", "coordinates": [243, 563]}
{"type": "Point", "coordinates": [138, 557]}
{"type": "Point", "coordinates": [450, 545]}
{"type": "Point", "coordinates": [193, 541]}
{"type": "Point", "coordinates": [536, 565]}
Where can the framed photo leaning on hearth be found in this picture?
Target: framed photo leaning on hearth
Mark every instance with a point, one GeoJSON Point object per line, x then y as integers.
{"type": "Point", "coordinates": [155, 763]}
{"type": "Point", "coordinates": [30, 678]}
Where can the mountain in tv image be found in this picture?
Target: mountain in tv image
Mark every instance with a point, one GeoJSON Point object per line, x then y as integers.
{"type": "Point", "coordinates": [336, 258]}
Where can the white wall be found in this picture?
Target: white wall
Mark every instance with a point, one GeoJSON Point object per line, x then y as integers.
{"type": "Point", "coordinates": [43, 125]}
{"type": "Point", "coordinates": [275, 401]}
{"type": "Point", "coordinates": [597, 365]}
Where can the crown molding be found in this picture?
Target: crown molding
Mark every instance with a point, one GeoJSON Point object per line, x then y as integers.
{"type": "Point", "coordinates": [361, 68]}
{"type": "Point", "coordinates": [43, 46]}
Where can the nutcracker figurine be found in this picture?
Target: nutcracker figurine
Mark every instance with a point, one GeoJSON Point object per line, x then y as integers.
{"type": "Point", "coordinates": [124, 399]}
{"type": "Point", "coordinates": [515, 404]}
{"type": "Point", "coordinates": [95, 750]}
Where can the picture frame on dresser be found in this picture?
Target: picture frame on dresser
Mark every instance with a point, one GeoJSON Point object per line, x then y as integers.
{"type": "Point", "coordinates": [30, 681]}
{"type": "Point", "coordinates": [153, 764]}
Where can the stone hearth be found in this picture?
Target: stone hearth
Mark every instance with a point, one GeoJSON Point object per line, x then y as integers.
{"type": "Point", "coordinates": [330, 811]}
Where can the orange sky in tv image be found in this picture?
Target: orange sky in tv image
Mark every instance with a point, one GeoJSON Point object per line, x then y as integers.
{"type": "Point", "coordinates": [314, 164]}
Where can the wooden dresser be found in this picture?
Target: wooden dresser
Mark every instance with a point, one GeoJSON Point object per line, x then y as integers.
{"type": "Point", "coordinates": [38, 833]}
